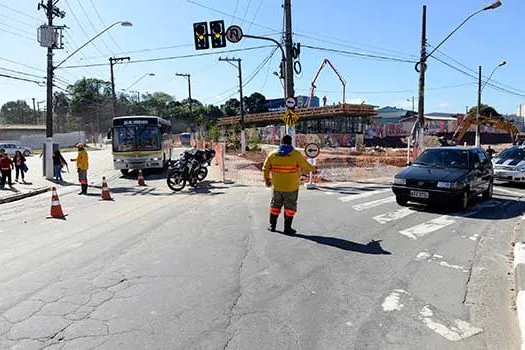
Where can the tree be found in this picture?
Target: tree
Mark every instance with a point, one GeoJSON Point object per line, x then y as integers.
{"type": "Point", "coordinates": [17, 112]}
{"type": "Point", "coordinates": [158, 103]}
{"type": "Point", "coordinates": [91, 104]}
{"type": "Point", "coordinates": [255, 103]}
{"type": "Point", "coordinates": [232, 107]}
{"type": "Point", "coordinates": [485, 110]}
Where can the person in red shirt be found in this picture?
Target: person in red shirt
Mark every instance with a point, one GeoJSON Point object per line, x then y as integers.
{"type": "Point", "coordinates": [6, 164]}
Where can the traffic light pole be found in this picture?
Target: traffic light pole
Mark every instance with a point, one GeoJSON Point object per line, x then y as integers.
{"type": "Point", "coordinates": [239, 67]}
{"type": "Point", "coordinates": [288, 43]}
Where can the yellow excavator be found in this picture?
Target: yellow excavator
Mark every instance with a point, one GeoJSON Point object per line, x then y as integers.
{"type": "Point", "coordinates": [494, 122]}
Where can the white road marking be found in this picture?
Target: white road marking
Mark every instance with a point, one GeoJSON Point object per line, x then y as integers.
{"type": "Point", "coordinates": [519, 253]}
{"type": "Point", "coordinates": [456, 267]}
{"type": "Point", "coordinates": [423, 256]}
{"type": "Point", "coordinates": [395, 215]}
{"type": "Point", "coordinates": [430, 226]}
{"type": "Point", "coordinates": [460, 330]}
{"type": "Point", "coordinates": [474, 237]}
{"type": "Point", "coordinates": [503, 190]}
{"type": "Point", "coordinates": [426, 256]}
{"type": "Point", "coordinates": [363, 195]}
{"type": "Point", "coordinates": [368, 205]}
{"type": "Point", "coordinates": [393, 301]}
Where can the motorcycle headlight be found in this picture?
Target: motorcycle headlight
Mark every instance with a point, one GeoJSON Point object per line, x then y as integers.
{"type": "Point", "coordinates": [399, 181]}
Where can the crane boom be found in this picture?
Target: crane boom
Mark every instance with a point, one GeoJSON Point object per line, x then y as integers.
{"type": "Point", "coordinates": [312, 84]}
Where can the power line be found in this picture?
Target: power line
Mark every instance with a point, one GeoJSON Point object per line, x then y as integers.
{"type": "Point", "coordinates": [359, 54]}
{"type": "Point", "coordinates": [81, 27]}
{"type": "Point", "coordinates": [21, 73]}
{"type": "Point", "coordinates": [255, 15]}
{"type": "Point", "coordinates": [40, 83]}
{"type": "Point", "coordinates": [17, 20]}
{"type": "Point", "coordinates": [104, 24]}
{"type": "Point", "coordinates": [19, 12]}
{"type": "Point", "coordinates": [17, 29]}
{"type": "Point", "coordinates": [21, 64]}
{"type": "Point", "coordinates": [16, 34]}
{"type": "Point", "coordinates": [146, 50]}
{"type": "Point", "coordinates": [212, 53]}
{"type": "Point", "coordinates": [246, 11]}
{"type": "Point", "coordinates": [93, 26]}
{"type": "Point", "coordinates": [393, 91]}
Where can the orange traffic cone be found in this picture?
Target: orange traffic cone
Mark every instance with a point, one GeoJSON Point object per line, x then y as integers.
{"type": "Point", "coordinates": [106, 195]}
{"type": "Point", "coordinates": [56, 208]}
{"type": "Point", "coordinates": [141, 179]}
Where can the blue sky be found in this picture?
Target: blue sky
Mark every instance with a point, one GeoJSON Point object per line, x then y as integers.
{"type": "Point", "coordinates": [383, 27]}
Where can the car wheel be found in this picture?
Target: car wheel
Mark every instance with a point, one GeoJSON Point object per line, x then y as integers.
{"type": "Point", "coordinates": [487, 194]}
{"type": "Point", "coordinates": [27, 153]}
{"type": "Point", "coordinates": [463, 201]}
{"type": "Point", "coordinates": [401, 201]}
{"type": "Point", "coordinates": [125, 172]}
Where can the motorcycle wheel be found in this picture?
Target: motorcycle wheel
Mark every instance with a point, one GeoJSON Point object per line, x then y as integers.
{"type": "Point", "coordinates": [202, 173]}
{"type": "Point", "coordinates": [176, 181]}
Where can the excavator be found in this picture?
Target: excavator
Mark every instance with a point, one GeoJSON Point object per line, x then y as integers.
{"type": "Point", "coordinates": [494, 122]}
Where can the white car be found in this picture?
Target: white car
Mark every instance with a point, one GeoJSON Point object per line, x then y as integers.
{"type": "Point", "coordinates": [509, 165]}
{"type": "Point", "coordinates": [11, 148]}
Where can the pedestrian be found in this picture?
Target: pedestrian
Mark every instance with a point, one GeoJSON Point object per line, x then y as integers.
{"type": "Point", "coordinates": [284, 166]}
{"type": "Point", "coordinates": [490, 152]}
{"type": "Point", "coordinates": [58, 163]}
{"type": "Point", "coordinates": [82, 167]}
{"type": "Point", "coordinates": [6, 164]}
{"type": "Point", "coordinates": [20, 165]}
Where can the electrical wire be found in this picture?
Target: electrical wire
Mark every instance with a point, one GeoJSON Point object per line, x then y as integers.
{"type": "Point", "coordinates": [21, 73]}
{"type": "Point", "coordinates": [104, 24]}
{"type": "Point", "coordinates": [359, 54]}
{"type": "Point", "coordinates": [16, 34]}
{"type": "Point", "coordinates": [255, 15]}
{"type": "Point", "coordinates": [95, 30]}
{"type": "Point", "coordinates": [17, 20]}
{"type": "Point", "coordinates": [22, 64]}
{"type": "Point", "coordinates": [212, 53]}
{"type": "Point", "coordinates": [40, 83]}
{"type": "Point", "coordinates": [246, 11]}
{"type": "Point", "coordinates": [20, 12]}
{"type": "Point", "coordinates": [81, 27]}
{"type": "Point", "coordinates": [23, 31]}
{"type": "Point", "coordinates": [145, 50]}
{"type": "Point", "coordinates": [394, 91]}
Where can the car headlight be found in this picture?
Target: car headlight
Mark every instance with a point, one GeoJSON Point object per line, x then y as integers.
{"type": "Point", "coordinates": [118, 160]}
{"type": "Point", "coordinates": [399, 181]}
{"type": "Point", "coordinates": [155, 159]}
{"type": "Point", "coordinates": [450, 185]}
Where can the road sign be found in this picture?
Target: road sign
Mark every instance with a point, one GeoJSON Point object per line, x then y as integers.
{"type": "Point", "coordinates": [312, 150]}
{"type": "Point", "coordinates": [234, 34]}
{"type": "Point", "coordinates": [290, 102]}
{"type": "Point", "coordinates": [290, 118]}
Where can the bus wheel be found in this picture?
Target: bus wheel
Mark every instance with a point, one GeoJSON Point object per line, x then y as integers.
{"type": "Point", "coordinates": [125, 172]}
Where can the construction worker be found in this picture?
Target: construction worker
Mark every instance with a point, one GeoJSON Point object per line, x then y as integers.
{"type": "Point", "coordinates": [82, 167]}
{"type": "Point", "coordinates": [284, 165]}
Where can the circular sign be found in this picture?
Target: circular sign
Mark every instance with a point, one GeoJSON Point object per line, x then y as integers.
{"type": "Point", "coordinates": [234, 34]}
{"type": "Point", "coordinates": [290, 102]}
{"type": "Point", "coordinates": [312, 150]}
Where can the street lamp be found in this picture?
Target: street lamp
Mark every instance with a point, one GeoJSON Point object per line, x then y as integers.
{"type": "Point", "coordinates": [480, 89]}
{"type": "Point", "coordinates": [421, 65]}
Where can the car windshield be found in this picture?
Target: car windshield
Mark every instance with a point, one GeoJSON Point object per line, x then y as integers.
{"type": "Point", "coordinates": [444, 158]}
{"type": "Point", "coordinates": [513, 153]}
{"type": "Point", "coordinates": [148, 138]}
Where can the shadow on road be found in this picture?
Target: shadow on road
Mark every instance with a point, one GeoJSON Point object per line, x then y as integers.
{"type": "Point", "coordinates": [372, 247]}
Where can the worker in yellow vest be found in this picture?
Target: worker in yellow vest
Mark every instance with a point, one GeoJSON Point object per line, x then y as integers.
{"type": "Point", "coordinates": [82, 167]}
{"type": "Point", "coordinates": [282, 169]}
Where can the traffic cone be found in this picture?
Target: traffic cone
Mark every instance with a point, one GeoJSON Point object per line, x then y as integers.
{"type": "Point", "coordinates": [106, 195]}
{"type": "Point", "coordinates": [141, 179]}
{"type": "Point", "coordinates": [56, 208]}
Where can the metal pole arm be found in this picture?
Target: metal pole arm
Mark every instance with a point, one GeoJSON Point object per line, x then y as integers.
{"type": "Point", "coordinates": [267, 39]}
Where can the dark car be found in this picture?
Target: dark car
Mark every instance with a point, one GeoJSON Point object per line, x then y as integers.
{"type": "Point", "coordinates": [445, 175]}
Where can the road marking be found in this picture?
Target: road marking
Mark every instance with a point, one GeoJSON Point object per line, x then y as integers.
{"type": "Point", "coordinates": [426, 256]}
{"type": "Point", "coordinates": [474, 237]}
{"type": "Point", "coordinates": [430, 226]}
{"type": "Point", "coordinates": [372, 204]}
{"type": "Point", "coordinates": [458, 331]}
{"type": "Point", "coordinates": [363, 195]}
{"type": "Point", "coordinates": [503, 190]}
{"type": "Point", "coordinates": [395, 215]}
{"type": "Point", "coordinates": [393, 301]}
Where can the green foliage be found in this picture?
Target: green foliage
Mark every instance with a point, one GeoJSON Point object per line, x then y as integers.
{"type": "Point", "coordinates": [485, 110]}
{"type": "Point", "coordinates": [255, 103]}
{"type": "Point", "coordinates": [17, 112]}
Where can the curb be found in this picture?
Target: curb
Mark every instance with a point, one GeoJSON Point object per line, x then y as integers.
{"type": "Point", "coordinates": [24, 195]}
{"type": "Point", "coordinates": [519, 275]}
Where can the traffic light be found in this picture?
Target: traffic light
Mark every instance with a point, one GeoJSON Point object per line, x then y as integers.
{"type": "Point", "coordinates": [200, 33]}
{"type": "Point", "coordinates": [218, 38]}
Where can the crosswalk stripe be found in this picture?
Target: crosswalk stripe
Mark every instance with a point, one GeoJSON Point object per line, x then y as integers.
{"type": "Point", "coordinates": [363, 195]}
{"type": "Point", "coordinates": [430, 226]}
{"type": "Point", "coordinates": [368, 205]}
{"type": "Point", "coordinates": [394, 215]}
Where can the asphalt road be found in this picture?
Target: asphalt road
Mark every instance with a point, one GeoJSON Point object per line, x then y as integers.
{"type": "Point", "coordinates": [198, 270]}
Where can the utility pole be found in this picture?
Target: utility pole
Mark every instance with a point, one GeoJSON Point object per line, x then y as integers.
{"type": "Point", "coordinates": [422, 69]}
{"type": "Point", "coordinates": [288, 44]}
{"type": "Point", "coordinates": [478, 136]}
{"type": "Point", "coordinates": [49, 83]}
{"type": "Point", "coordinates": [239, 67]}
{"type": "Point", "coordinates": [112, 62]}
{"type": "Point", "coordinates": [187, 76]}
{"type": "Point", "coordinates": [34, 111]}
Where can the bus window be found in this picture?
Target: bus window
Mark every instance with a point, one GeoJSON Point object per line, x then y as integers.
{"type": "Point", "coordinates": [124, 139]}
{"type": "Point", "coordinates": [148, 139]}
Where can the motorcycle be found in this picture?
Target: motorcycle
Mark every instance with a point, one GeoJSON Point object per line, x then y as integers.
{"type": "Point", "coordinates": [190, 168]}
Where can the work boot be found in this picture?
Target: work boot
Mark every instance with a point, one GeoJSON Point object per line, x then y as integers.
{"type": "Point", "coordinates": [288, 230]}
{"type": "Point", "coordinates": [273, 222]}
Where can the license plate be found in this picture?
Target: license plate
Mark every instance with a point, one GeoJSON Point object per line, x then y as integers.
{"type": "Point", "coordinates": [419, 194]}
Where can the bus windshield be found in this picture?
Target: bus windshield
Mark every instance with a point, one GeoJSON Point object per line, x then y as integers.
{"type": "Point", "coordinates": [136, 138]}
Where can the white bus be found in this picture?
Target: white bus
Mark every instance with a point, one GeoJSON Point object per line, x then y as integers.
{"type": "Point", "coordinates": [141, 142]}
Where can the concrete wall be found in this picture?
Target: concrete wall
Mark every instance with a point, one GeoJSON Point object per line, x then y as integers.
{"type": "Point", "coordinates": [16, 134]}
{"type": "Point", "coordinates": [64, 140]}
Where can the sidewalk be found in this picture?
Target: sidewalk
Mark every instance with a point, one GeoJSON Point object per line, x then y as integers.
{"type": "Point", "coordinates": [519, 275]}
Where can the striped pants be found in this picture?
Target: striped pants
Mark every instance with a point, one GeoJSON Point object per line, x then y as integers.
{"type": "Point", "coordinates": [288, 200]}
